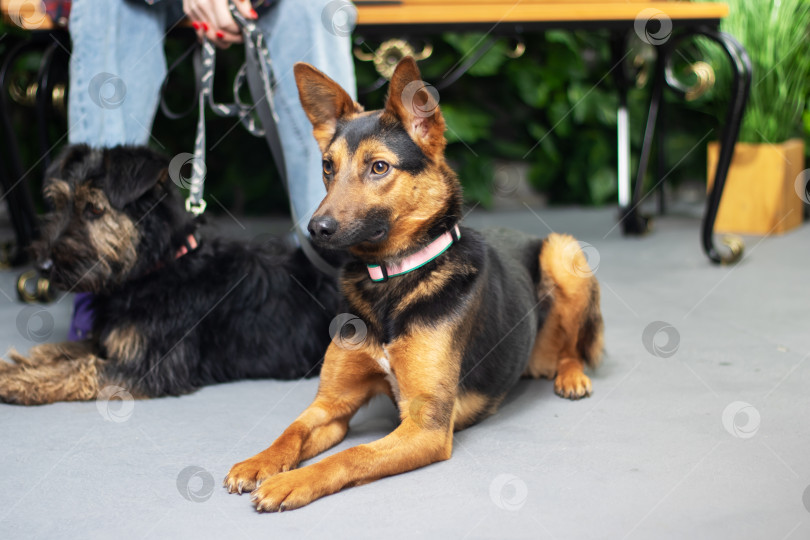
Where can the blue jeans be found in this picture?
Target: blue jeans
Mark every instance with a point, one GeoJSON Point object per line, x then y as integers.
{"type": "Point", "coordinates": [118, 65]}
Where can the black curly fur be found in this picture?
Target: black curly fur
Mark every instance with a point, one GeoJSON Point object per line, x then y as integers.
{"type": "Point", "coordinates": [226, 310]}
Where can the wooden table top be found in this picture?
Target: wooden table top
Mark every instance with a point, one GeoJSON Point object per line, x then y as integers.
{"type": "Point", "coordinates": [512, 11]}
{"type": "Point", "coordinates": [28, 14]}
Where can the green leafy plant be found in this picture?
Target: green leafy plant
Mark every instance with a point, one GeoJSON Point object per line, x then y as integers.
{"type": "Point", "coordinates": [776, 34]}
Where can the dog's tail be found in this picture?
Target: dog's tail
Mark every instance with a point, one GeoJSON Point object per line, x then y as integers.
{"type": "Point", "coordinates": [591, 340]}
{"type": "Point", "coordinates": [576, 295]}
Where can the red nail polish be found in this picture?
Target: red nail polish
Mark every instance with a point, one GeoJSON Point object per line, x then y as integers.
{"type": "Point", "coordinates": [253, 13]}
{"type": "Point", "coordinates": [220, 35]}
{"type": "Point", "coordinates": [205, 26]}
{"type": "Point", "coordinates": [196, 25]}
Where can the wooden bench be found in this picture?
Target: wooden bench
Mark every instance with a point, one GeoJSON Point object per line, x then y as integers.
{"type": "Point", "coordinates": [677, 21]}
{"type": "Point", "coordinates": [465, 14]}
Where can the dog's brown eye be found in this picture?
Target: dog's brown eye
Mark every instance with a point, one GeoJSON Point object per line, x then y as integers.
{"type": "Point", "coordinates": [92, 211]}
{"type": "Point", "coordinates": [379, 167]}
{"type": "Point", "coordinates": [327, 167]}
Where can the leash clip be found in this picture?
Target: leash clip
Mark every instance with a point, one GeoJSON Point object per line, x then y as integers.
{"type": "Point", "coordinates": [195, 208]}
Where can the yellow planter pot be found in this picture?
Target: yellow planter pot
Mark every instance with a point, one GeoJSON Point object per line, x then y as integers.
{"type": "Point", "coordinates": [760, 195]}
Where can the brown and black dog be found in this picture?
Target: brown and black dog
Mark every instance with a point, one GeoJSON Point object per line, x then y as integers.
{"type": "Point", "coordinates": [446, 340]}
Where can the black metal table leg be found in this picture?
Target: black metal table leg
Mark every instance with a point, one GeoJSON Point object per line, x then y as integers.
{"type": "Point", "coordinates": [632, 220]}
{"type": "Point", "coordinates": [622, 79]}
{"type": "Point", "coordinates": [15, 189]}
{"type": "Point", "coordinates": [660, 156]}
{"type": "Point", "coordinates": [52, 71]}
{"type": "Point", "coordinates": [740, 89]}
{"type": "Point", "coordinates": [742, 68]}
{"type": "Point", "coordinates": [43, 103]}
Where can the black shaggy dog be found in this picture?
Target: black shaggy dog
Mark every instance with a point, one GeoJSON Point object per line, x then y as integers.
{"type": "Point", "coordinates": [173, 311]}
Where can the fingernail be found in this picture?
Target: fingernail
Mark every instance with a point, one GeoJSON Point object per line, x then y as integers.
{"type": "Point", "coordinates": [205, 26]}
{"type": "Point", "coordinates": [196, 25]}
{"type": "Point", "coordinates": [220, 35]}
{"type": "Point", "coordinates": [253, 14]}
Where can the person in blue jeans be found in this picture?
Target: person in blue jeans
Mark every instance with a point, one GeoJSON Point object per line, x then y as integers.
{"type": "Point", "coordinates": [118, 64]}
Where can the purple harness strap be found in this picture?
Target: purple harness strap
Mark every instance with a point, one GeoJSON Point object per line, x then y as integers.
{"type": "Point", "coordinates": [82, 323]}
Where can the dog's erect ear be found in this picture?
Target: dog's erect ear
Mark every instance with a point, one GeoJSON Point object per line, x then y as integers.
{"type": "Point", "coordinates": [324, 101]}
{"type": "Point", "coordinates": [131, 172]}
{"type": "Point", "coordinates": [416, 105]}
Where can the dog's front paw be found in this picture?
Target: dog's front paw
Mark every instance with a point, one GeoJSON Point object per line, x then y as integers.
{"type": "Point", "coordinates": [247, 475]}
{"type": "Point", "coordinates": [50, 372]}
{"type": "Point", "coordinates": [15, 360]}
{"type": "Point", "coordinates": [290, 490]}
{"type": "Point", "coordinates": [11, 389]}
{"type": "Point", "coordinates": [572, 385]}
{"type": "Point", "coordinates": [18, 384]}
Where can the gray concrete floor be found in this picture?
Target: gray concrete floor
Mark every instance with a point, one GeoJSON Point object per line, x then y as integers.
{"type": "Point", "coordinates": [698, 430]}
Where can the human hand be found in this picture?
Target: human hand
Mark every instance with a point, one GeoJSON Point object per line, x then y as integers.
{"type": "Point", "coordinates": [212, 19]}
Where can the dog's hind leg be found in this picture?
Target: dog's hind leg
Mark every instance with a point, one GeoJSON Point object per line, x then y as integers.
{"type": "Point", "coordinates": [572, 335]}
{"type": "Point", "coordinates": [51, 372]}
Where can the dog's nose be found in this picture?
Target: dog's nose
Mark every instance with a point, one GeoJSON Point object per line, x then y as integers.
{"type": "Point", "coordinates": [322, 227]}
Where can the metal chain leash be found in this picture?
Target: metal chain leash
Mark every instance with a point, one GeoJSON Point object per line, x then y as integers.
{"type": "Point", "coordinates": [205, 66]}
{"type": "Point", "coordinates": [259, 118]}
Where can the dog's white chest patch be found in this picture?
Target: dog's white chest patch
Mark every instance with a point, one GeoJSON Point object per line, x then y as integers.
{"type": "Point", "coordinates": [385, 365]}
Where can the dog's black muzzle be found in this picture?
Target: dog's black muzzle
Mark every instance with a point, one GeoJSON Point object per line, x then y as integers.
{"type": "Point", "coordinates": [326, 231]}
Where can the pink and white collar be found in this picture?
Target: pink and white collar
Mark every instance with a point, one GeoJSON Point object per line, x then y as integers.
{"type": "Point", "coordinates": [189, 246]}
{"type": "Point", "coordinates": [380, 272]}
